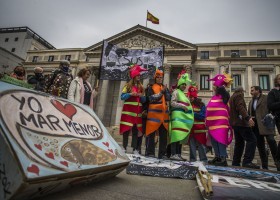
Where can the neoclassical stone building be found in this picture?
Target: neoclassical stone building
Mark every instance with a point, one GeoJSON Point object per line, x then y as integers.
{"type": "Point", "coordinates": [250, 63]}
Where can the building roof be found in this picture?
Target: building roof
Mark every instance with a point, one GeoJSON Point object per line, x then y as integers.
{"type": "Point", "coordinates": [139, 28]}
{"type": "Point", "coordinates": [30, 32]}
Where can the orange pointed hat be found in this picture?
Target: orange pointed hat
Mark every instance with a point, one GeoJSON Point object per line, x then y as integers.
{"type": "Point", "coordinates": [158, 73]}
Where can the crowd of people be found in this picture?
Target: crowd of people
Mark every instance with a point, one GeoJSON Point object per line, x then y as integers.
{"type": "Point", "coordinates": [176, 117]}
{"type": "Point", "coordinates": [60, 83]}
{"type": "Point", "coordinates": [180, 117]}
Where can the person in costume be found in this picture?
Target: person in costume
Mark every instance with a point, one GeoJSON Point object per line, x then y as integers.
{"type": "Point", "coordinates": [182, 117]}
{"type": "Point", "coordinates": [158, 115]}
{"type": "Point", "coordinates": [131, 120]}
{"type": "Point", "coordinates": [57, 83]}
{"type": "Point", "coordinates": [217, 119]}
{"type": "Point", "coordinates": [197, 139]}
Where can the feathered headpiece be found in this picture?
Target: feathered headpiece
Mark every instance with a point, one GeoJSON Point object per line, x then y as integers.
{"type": "Point", "coordinates": [222, 80]}
{"type": "Point", "coordinates": [135, 70]}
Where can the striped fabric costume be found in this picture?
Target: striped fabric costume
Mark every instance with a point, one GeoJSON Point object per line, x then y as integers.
{"type": "Point", "coordinates": [181, 120]}
{"type": "Point", "coordinates": [132, 108]}
{"type": "Point", "coordinates": [217, 113]}
{"type": "Point", "coordinates": [199, 129]}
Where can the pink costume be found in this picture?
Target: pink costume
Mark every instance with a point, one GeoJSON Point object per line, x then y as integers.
{"type": "Point", "coordinates": [217, 113]}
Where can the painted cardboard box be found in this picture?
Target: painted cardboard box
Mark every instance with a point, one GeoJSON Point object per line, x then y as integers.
{"type": "Point", "coordinates": [48, 144]}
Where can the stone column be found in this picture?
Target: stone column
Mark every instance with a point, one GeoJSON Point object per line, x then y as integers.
{"type": "Point", "coordinates": [167, 69]}
{"type": "Point", "coordinates": [145, 82]}
{"type": "Point", "coordinates": [103, 91]}
{"type": "Point", "coordinates": [119, 105]}
{"type": "Point", "coordinates": [277, 69]}
{"type": "Point", "coordinates": [250, 81]}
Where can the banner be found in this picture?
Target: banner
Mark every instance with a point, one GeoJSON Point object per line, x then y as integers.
{"type": "Point", "coordinates": [49, 143]}
{"type": "Point", "coordinates": [115, 61]}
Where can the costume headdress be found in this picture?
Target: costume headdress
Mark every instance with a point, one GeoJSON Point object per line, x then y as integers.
{"type": "Point", "coordinates": [135, 70]}
{"type": "Point", "coordinates": [158, 73]}
{"type": "Point", "coordinates": [192, 90]}
{"type": "Point", "coordinates": [222, 80]}
{"type": "Point", "coordinates": [184, 79]}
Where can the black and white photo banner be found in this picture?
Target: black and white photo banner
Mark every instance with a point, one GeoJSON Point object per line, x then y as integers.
{"type": "Point", "coordinates": [116, 61]}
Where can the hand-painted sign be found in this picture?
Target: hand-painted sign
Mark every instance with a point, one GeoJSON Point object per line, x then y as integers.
{"type": "Point", "coordinates": [50, 137]}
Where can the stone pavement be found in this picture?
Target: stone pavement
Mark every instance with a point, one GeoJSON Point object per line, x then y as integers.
{"type": "Point", "coordinates": [132, 187]}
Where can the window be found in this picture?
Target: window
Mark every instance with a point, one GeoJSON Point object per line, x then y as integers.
{"type": "Point", "coordinates": [13, 49]}
{"type": "Point", "coordinates": [204, 83]}
{"type": "Point", "coordinates": [6, 39]}
{"type": "Point", "coordinates": [261, 53]}
{"type": "Point", "coordinates": [35, 59]}
{"type": "Point", "coordinates": [204, 55]}
{"type": "Point", "coordinates": [235, 54]}
{"type": "Point", "coordinates": [264, 82]}
{"type": "Point", "coordinates": [16, 39]}
{"type": "Point", "coordinates": [236, 81]}
{"type": "Point", "coordinates": [51, 58]}
{"type": "Point", "coordinates": [68, 57]}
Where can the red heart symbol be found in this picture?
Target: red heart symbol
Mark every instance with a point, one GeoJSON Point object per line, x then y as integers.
{"type": "Point", "coordinates": [106, 144]}
{"type": "Point", "coordinates": [65, 163]}
{"type": "Point", "coordinates": [33, 169]}
{"type": "Point", "coordinates": [68, 109]}
{"type": "Point", "coordinates": [38, 146]}
{"type": "Point", "coordinates": [50, 155]}
{"type": "Point", "coordinates": [111, 151]}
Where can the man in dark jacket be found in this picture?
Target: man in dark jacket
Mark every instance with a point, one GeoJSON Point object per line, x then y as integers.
{"type": "Point", "coordinates": [37, 79]}
{"type": "Point", "coordinates": [258, 110]}
{"type": "Point", "coordinates": [242, 123]}
{"type": "Point", "coordinates": [273, 104]}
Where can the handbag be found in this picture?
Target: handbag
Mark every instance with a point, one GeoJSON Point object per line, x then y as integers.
{"type": "Point", "coordinates": [269, 121]}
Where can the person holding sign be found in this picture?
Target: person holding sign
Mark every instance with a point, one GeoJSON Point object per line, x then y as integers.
{"type": "Point", "coordinates": [158, 115]}
{"type": "Point", "coordinates": [131, 118]}
{"type": "Point", "coordinates": [181, 117]}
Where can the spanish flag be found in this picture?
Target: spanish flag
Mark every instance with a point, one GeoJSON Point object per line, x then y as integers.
{"type": "Point", "coordinates": [152, 18]}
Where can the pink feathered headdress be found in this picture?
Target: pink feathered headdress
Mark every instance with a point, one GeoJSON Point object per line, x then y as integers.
{"type": "Point", "coordinates": [222, 80]}
{"type": "Point", "coordinates": [136, 70]}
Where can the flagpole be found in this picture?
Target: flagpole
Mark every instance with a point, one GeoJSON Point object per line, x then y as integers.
{"type": "Point", "coordinates": [147, 19]}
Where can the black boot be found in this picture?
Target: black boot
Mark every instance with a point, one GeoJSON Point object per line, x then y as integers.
{"type": "Point", "coordinates": [212, 162]}
{"type": "Point", "coordinates": [222, 162]}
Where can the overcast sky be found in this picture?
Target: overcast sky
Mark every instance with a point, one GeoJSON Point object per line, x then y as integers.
{"type": "Point", "coordinates": [82, 23]}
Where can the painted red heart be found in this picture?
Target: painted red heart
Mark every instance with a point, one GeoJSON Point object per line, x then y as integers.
{"type": "Point", "coordinates": [65, 163]}
{"type": "Point", "coordinates": [38, 146]}
{"type": "Point", "coordinates": [50, 155]}
{"type": "Point", "coordinates": [106, 144]}
{"type": "Point", "coordinates": [68, 109]}
{"type": "Point", "coordinates": [33, 169]}
{"type": "Point", "coordinates": [111, 151]}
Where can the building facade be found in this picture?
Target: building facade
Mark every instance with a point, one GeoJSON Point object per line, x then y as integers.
{"type": "Point", "coordinates": [250, 63]}
{"type": "Point", "coordinates": [19, 40]}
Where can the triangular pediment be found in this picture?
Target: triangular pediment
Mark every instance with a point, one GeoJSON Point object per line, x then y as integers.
{"type": "Point", "coordinates": [143, 37]}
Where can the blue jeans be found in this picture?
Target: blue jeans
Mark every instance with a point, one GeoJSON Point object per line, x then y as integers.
{"type": "Point", "coordinates": [219, 148]}
{"type": "Point", "coordinates": [201, 150]}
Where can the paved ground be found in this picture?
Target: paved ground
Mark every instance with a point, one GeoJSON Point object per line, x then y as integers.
{"type": "Point", "coordinates": [131, 187]}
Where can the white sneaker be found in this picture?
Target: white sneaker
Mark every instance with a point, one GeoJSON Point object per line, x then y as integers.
{"type": "Point", "coordinates": [175, 157]}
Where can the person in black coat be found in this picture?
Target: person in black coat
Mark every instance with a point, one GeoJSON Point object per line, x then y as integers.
{"type": "Point", "coordinates": [37, 79]}
{"type": "Point", "coordinates": [273, 105]}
